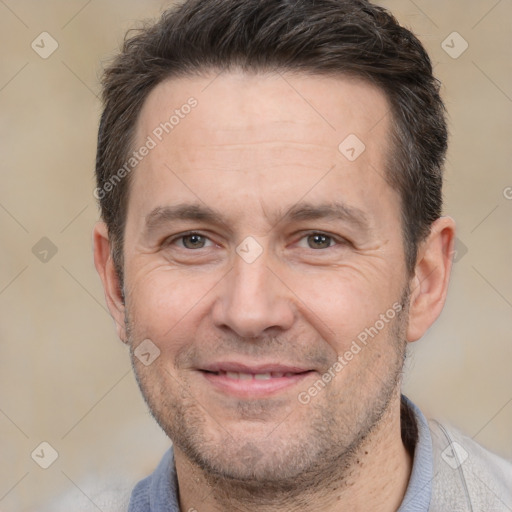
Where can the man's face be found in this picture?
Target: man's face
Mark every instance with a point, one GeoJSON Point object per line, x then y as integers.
{"type": "Point", "coordinates": [272, 286]}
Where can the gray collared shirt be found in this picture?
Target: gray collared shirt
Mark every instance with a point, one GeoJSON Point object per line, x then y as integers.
{"type": "Point", "coordinates": [159, 491]}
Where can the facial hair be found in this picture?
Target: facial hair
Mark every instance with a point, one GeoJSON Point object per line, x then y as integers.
{"type": "Point", "coordinates": [263, 468]}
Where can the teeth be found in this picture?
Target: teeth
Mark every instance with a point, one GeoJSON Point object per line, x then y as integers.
{"type": "Point", "coordinates": [263, 376]}
{"type": "Point", "coordinates": [257, 376]}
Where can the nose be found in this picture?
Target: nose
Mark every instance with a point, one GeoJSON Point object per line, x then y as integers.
{"type": "Point", "coordinates": [253, 299]}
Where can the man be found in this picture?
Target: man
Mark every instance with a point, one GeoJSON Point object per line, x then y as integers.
{"type": "Point", "coordinates": [270, 180]}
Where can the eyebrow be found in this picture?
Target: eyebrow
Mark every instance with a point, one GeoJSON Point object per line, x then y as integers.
{"type": "Point", "coordinates": [329, 211]}
{"type": "Point", "coordinates": [334, 211]}
{"type": "Point", "coordinates": [163, 215]}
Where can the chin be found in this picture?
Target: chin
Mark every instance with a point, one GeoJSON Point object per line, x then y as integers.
{"type": "Point", "coordinates": [269, 459]}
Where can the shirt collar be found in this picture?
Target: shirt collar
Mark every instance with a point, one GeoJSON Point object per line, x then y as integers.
{"type": "Point", "coordinates": [416, 435]}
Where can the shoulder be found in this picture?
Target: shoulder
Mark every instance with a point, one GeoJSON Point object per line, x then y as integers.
{"type": "Point", "coordinates": [466, 475]}
{"type": "Point", "coordinates": [120, 493]}
{"type": "Point", "coordinates": [94, 495]}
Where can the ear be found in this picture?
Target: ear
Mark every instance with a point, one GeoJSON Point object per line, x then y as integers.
{"type": "Point", "coordinates": [429, 285]}
{"type": "Point", "coordinates": [105, 267]}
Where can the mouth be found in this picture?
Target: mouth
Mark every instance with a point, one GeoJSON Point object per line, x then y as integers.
{"type": "Point", "coordinates": [253, 381]}
{"type": "Point", "coordinates": [253, 376]}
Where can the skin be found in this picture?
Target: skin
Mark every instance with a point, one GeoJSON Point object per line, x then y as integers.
{"type": "Point", "coordinates": [255, 146]}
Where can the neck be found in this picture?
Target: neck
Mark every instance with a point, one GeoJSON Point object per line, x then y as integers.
{"type": "Point", "coordinates": [375, 478]}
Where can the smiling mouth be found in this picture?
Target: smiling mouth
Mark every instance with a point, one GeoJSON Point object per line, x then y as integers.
{"type": "Point", "coordinates": [253, 385]}
{"type": "Point", "coordinates": [254, 376]}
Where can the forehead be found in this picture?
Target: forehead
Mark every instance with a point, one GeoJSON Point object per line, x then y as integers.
{"type": "Point", "coordinates": [237, 105]}
{"type": "Point", "coordinates": [262, 132]}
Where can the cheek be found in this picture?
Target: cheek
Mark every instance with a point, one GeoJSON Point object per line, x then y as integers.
{"type": "Point", "coordinates": [342, 303]}
{"type": "Point", "coordinates": [163, 301]}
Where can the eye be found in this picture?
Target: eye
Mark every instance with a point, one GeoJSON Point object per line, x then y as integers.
{"type": "Point", "coordinates": [190, 240]}
{"type": "Point", "coordinates": [318, 240]}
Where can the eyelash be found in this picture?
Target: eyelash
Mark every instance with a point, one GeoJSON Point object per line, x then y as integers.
{"type": "Point", "coordinates": [336, 240]}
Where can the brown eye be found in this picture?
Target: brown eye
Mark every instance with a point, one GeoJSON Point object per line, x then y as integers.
{"type": "Point", "coordinates": [193, 241]}
{"type": "Point", "coordinates": [319, 241]}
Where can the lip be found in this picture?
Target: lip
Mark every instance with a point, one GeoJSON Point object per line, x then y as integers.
{"type": "Point", "coordinates": [233, 366]}
{"type": "Point", "coordinates": [215, 375]}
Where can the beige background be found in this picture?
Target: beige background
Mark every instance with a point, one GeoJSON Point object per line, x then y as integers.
{"type": "Point", "coordinates": [64, 376]}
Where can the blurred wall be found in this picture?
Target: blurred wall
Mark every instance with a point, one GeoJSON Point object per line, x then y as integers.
{"type": "Point", "coordinates": [65, 378]}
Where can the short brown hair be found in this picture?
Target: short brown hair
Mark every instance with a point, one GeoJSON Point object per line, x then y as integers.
{"type": "Point", "coordinates": [316, 37]}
